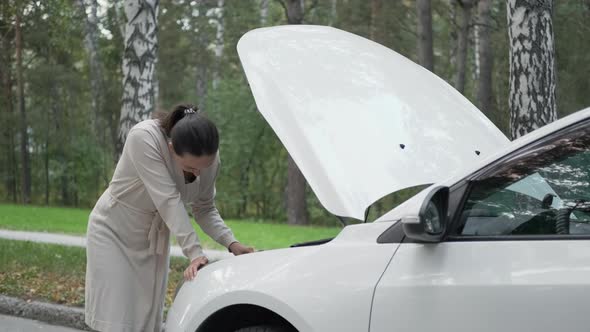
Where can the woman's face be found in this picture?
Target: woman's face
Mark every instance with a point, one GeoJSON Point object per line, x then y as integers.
{"type": "Point", "coordinates": [192, 164]}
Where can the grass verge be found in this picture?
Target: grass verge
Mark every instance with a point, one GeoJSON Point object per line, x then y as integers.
{"type": "Point", "coordinates": [74, 221]}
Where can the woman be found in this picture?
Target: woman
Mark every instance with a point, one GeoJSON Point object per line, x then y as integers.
{"type": "Point", "coordinates": [166, 163]}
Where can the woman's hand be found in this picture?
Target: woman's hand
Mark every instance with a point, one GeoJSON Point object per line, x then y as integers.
{"type": "Point", "coordinates": [191, 271]}
{"type": "Point", "coordinates": [237, 249]}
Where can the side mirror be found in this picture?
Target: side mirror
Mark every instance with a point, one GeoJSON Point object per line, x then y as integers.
{"type": "Point", "coordinates": [430, 223]}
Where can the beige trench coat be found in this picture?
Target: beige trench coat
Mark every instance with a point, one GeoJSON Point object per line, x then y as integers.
{"type": "Point", "coordinates": [129, 231]}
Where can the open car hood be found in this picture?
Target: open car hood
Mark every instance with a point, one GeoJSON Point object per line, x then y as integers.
{"type": "Point", "coordinates": [360, 120]}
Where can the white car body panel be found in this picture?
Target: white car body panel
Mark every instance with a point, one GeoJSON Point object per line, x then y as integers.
{"type": "Point", "coordinates": [342, 105]}
{"type": "Point", "coordinates": [311, 287]}
{"type": "Point", "coordinates": [485, 286]}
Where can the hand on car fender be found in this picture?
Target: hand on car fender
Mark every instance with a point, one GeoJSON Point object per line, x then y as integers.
{"type": "Point", "coordinates": [237, 249]}
{"type": "Point", "coordinates": [191, 271]}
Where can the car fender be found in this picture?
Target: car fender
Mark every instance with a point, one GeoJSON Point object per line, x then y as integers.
{"type": "Point", "coordinates": [315, 288]}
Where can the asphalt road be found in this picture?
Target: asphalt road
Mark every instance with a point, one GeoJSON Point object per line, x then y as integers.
{"type": "Point", "coordinates": [17, 324]}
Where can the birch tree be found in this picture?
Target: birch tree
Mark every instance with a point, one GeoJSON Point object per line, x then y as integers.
{"type": "Point", "coordinates": [263, 12]}
{"type": "Point", "coordinates": [219, 40]}
{"type": "Point", "coordinates": [202, 42]}
{"type": "Point", "coordinates": [139, 64]}
{"type": "Point", "coordinates": [532, 65]}
{"type": "Point", "coordinates": [333, 12]}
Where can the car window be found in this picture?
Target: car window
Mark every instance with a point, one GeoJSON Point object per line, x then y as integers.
{"type": "Point", "coordinates": [545, 191]}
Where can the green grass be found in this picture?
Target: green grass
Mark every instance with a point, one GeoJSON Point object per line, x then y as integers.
{"type": "Point", "coordinates": [44, 219]}
{"type": "Point", "coordinates": [54, 273]}
{"type": "Point", "coordinates": [74, 221]}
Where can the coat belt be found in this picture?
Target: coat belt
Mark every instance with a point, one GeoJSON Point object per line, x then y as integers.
{"type": "Point", "coordinates": [158, 235]}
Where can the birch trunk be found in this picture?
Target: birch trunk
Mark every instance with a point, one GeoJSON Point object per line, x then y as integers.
{"type": "Point", "coordinates": [219, 42]}
{"type": "Point", "coordinates": [263, 12]}
{"type": "Point", "coordinates": [532, 65]}
{"type": "Point", "coordinates": [333, 12]}
{"type": "Point", "coordinates": [476, 50]}
{"type": "Point", "coordinates": [424, 29]}
{"type": "Point", "coordinates": [139, 64]}
{"type": "Point", "coordinates": [202, 72]}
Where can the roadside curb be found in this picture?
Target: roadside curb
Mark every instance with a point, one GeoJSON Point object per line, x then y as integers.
{"type": "Point", "coordinates": [54, 314]}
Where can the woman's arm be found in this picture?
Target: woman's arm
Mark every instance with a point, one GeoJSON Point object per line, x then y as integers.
{"type": "Point", "coordinates": [205, 211]}
{"type": "Point", "coordinates": [142, 149]}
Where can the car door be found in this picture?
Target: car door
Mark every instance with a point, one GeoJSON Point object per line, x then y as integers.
{"type": "Point", "coordinates": [517, 253]}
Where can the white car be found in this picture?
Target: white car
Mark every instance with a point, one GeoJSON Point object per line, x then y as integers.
{"type": "Point", "coordinates": [498, 241]}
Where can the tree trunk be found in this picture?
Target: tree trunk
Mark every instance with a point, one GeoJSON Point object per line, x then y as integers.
{"type": "Point", "coordinates": [333, 12]}
{"type": "Point", "coordinates": [453, 37]}
{"type": "Point", "coordinates": [24, 136]}
{"type": "Point", "coordinates": [532, 65]}
{"type": "Point", "coordinates": [202, 58]}
{"type": "Point", "coordinates": [46, 161]}
{"type": "Point", "coordinates": [295, 191]}
{"type": "Point", "coordinates": [263, 12]}
{"type": "Point", "coordinates": [219, 42]}
{"type": "Point", "coordinates": [294, 11]}
{"type": "Point", "coordinates": [201, 86]}
{"type": "Point", "coordinates": [462, 42]}
{"type": "Point", "coordinates": [91, 44]}
{"type": "Point", "coordinates": [6, 80]}
{"type": "Point", "coordinates": [95, 64]}
{"type": "Point", "coordinates": [139, 64]}
{"type": "Point", "coordinates": [425, 48]}
{"type": "Point", "coordinates": [202, 71]}
{"type": "Point", "coordinates": [485, 96]}
{"type": "Point", "coordinates": [296, 204]}
{"type": "Point", "coordinates": [376, 8]}
{"type": "Point", "coordinates": [245, 171]}
{"type": "Point", "coordinates": [61, 137]}
{"type": "Point", "coordinates": [119, 10]}
{"type": "Point", "coordinates": [476, 50]}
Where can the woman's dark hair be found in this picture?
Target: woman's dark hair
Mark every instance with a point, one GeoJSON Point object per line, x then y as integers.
{"type": "Point", "coordinates": [190, 131]}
